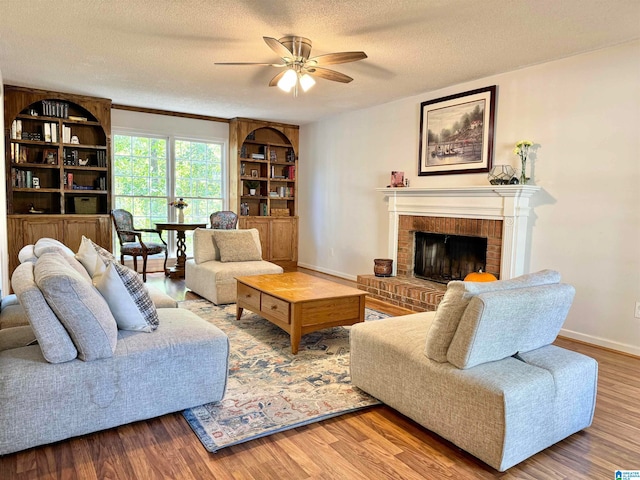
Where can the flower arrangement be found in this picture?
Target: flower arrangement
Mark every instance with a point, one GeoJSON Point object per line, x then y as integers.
{"type": "Point", "coordinates": [522, 150]}
{"type": "Point", "coordinates": [179, 204]}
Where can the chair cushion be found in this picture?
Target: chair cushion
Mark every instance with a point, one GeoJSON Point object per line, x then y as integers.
{"type": "Point", "coordinates": [496, 325]}
{"type": "Point", "coordinates": [78, 306]}
{"type": "Point", "coordinates": [54, 341]}
{"type": "Point", "coordinates": [135, 248]}
{"type": "Point", "coordinates": [204, 247]}
{"type": "Point", "coordinates": [237, 245]}
{"type": "Point", "coordinates": [456, 299]}
{"type": "Point", "coordinates": [127, 297]}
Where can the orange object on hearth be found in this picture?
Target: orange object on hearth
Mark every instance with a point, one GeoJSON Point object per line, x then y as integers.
{"type": "Point", "coordinates": [480, 276]}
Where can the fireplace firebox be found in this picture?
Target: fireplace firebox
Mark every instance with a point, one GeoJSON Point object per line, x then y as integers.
{"type": "Point", "coordinates": [442, 257]}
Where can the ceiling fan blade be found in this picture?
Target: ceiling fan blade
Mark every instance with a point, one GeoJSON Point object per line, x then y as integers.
{"type": "Point", "coordinates": [329, 74]}
{"type": "Point", "coordinates": [334, 58]}
{"type": "Point", "coordinates": [252, 63]}
{"type": "Point", "coordinates": [279, 48]}
{"type": "Point", "coordinates": [274, 80]}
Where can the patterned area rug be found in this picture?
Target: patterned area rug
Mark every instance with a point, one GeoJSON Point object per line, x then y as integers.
{"type": "Point", "coordinates": [269, 389]}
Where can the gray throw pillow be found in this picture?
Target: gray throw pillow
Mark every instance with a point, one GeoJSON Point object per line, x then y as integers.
{"type": "Point", "coordinates": [78, 306]}
{"type": "Point", "coordinates": [54, 341]}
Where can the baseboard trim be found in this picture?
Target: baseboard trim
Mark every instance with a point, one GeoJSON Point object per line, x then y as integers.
{"type": "Point", "coordinates": [328, 271]}
{"type": "Point", "coordinates": [601, 342]}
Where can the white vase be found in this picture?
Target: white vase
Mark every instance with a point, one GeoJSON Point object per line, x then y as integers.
{"type": "Point", "coordinates": [252, 191]}
{"type": "Point", "coordinates": [180, 215]}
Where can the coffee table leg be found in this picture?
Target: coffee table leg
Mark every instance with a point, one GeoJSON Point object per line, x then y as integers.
{"type": "Point", "coordinates": [238, 312]}
{"type": "Point", "coordinates": [296, 328]}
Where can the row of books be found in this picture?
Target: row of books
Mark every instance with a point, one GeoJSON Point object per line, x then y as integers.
{"type": "Point", "coordinates": [19, 154]}
{"type": "Point", "coordinates": [24, 179]}
{"type": "Point", "coordinates": [49, 134]}
{"type": "Point", "coordinates": [287, 172]}
{"type": "Point", "coordinates": [54, 108]}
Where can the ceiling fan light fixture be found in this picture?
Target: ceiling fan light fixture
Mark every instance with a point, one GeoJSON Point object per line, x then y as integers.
{"type": "Point", "coordinates": [306, 82]}
{"type": "Point", "coordinates": [288, 80]}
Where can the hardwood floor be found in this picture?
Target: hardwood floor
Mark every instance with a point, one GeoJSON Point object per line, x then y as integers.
{"type": "Point", "coordinates": [373, 444]}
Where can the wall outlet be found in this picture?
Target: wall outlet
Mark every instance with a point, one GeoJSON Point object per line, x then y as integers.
{"type": "Point", "coordinates": [637, 309]}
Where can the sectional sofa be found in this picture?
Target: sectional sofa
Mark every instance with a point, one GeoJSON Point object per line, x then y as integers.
{"type": "Point", "coordinates": [481, 371]}
{"type": "Point", "coordinates": [96, 352]}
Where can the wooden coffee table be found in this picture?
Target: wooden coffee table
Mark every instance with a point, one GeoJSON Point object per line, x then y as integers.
{"type": "Point", "coordinates": [299, 303]}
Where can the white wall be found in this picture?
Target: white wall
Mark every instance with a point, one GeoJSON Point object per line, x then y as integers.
{"type": "Point", "coordinates": [584, 111]}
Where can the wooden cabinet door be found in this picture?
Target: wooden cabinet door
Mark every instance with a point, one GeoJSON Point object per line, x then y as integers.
{"type": "Point", "coordinates": [262, 225]}
{"type": "Point", "coordinates": [283, 239]}
{"type": "Point", "coordinates": [96, 228]}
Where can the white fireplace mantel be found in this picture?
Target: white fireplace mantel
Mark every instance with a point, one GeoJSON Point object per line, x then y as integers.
{"type": "Point", "coordinates": [509, 203]}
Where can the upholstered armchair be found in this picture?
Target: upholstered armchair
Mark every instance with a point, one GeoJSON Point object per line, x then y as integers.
{"type": "Point", "coordinates": [224, 220]}
{"type": "Point", "coordinates": [131, 241]}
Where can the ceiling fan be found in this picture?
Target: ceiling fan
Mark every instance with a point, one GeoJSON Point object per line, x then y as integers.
{"type": "Point", "coordinates": [299, 68]}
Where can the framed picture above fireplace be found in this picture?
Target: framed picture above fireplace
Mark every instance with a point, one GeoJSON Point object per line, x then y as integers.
{"type": "Point", "coordinates": [456, 133]}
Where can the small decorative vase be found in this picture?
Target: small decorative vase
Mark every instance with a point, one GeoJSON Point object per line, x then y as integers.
{"type": "Point", "coordinates": [382, 267]}
{"type": "Point", "coordinates": [252, 191]}
{"type": "Point", "coordinates": [180, 215]}
{"type": "Point", "coordinates": [523, 175]}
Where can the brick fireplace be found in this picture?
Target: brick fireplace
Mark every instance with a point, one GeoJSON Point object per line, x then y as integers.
{"type": "Point", "coordinates": [498, 213]}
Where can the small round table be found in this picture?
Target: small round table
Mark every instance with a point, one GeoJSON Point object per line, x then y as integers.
{"type": "Point", "coordinates": [177, 271]}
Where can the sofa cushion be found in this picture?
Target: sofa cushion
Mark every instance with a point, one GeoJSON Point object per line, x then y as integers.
{"type": "Point", "coordinates": [204, 247]}
{"type": "Point", "coordinates": [499, 324]}
{"type": "Point", "coordinates": [16, 337]}
{"type": "Point", "coordinates": [54, 341]}
{"type": "Point", "coordinates": [456, 299]}
{"type": "Point", "coordinates": [79, 306]}
{"type": "Point", "coordinates": [237, 245]}
{"type": "Point", "coordinates": [46, 243]}
{"type": "Point", "coordinates": [26, 254]}
{"type": "Point", "coordinates": [127, 297]}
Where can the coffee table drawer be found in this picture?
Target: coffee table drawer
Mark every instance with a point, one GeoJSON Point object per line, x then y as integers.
{"type": "Point", "coordinates": [275, 307]}
{"type": "Point", "coordinates": [249, 297]}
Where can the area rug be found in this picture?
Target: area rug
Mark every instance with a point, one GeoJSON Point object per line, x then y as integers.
{"type": "Point", "coordinates": [269, 389]}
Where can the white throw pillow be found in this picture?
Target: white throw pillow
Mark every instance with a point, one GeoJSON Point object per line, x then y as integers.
{"type": "Point", "coordinates": [93, 257]}
{"type": "Point", "coordinates": [127, 298]}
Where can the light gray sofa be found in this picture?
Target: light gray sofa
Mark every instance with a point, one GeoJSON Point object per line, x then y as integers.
{"type": "Point", "coordinates": [480, 371]}
{"type": "Point", "coordinates": [85, 374]}
{"type": "Point", "coordinates": [212, 274]}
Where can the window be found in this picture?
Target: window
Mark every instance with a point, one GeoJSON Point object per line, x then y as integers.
{"type": "Point", "coordinates": [149, 172]}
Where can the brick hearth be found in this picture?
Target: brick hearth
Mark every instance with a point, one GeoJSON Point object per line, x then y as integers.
{"type": "Point", "coordinates": [411, 293]}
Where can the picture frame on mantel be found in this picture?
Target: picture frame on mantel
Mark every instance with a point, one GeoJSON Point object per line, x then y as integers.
{"type": "Point", "coordinates": [456, 133]}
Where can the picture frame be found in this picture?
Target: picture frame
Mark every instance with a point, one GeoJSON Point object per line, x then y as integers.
{"type": "Point", "coordinates": [50, 156]}
{"type": "Point", "coordinates": [254, 173]}
{"type": "Point", "coordinates": [456, 133]}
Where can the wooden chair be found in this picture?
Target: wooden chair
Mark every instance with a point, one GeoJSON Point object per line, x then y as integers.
{"type": "Point", "coordinates": [224, 220]}
{"type": "Point", "coordinates": [131, 241]}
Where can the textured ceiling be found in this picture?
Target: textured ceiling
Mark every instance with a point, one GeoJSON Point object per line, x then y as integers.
{"type": "Point", "coordinates": [161, 53]}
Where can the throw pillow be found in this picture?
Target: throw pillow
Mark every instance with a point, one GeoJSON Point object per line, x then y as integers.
{"type": "Point", "coordinates": [456, 299]}
{"type": "Point", "coordinates": [93, 257]}
{"type": "Point", "coordinates": [54, 341]}
{"type": "Point", "coordinates": [237, 245]}
{"type": "Point", "coordinates": [78, 306]}
{"type": "Point", "coordinates": [127, 298]}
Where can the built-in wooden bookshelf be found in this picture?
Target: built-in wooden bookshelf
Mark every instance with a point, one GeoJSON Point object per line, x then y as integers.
{"type": "Point", "coordinates": [57, 167]}
{"type": "Point", "coordinates": [266, 153]}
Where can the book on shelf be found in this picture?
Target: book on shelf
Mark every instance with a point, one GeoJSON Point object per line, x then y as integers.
{"type": "Point", "coordinates": [16, 130]}
{"type": "Point", "coordinates": [66, 134]}
{"type": "Point", "coordinates": [76, 118]}
{"type": "Point", "coordinates": [257, 156]}
{"type": "Point", "coordinates": [47, 132]}
{"type": "Point", "coordinates": [54, 133]}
